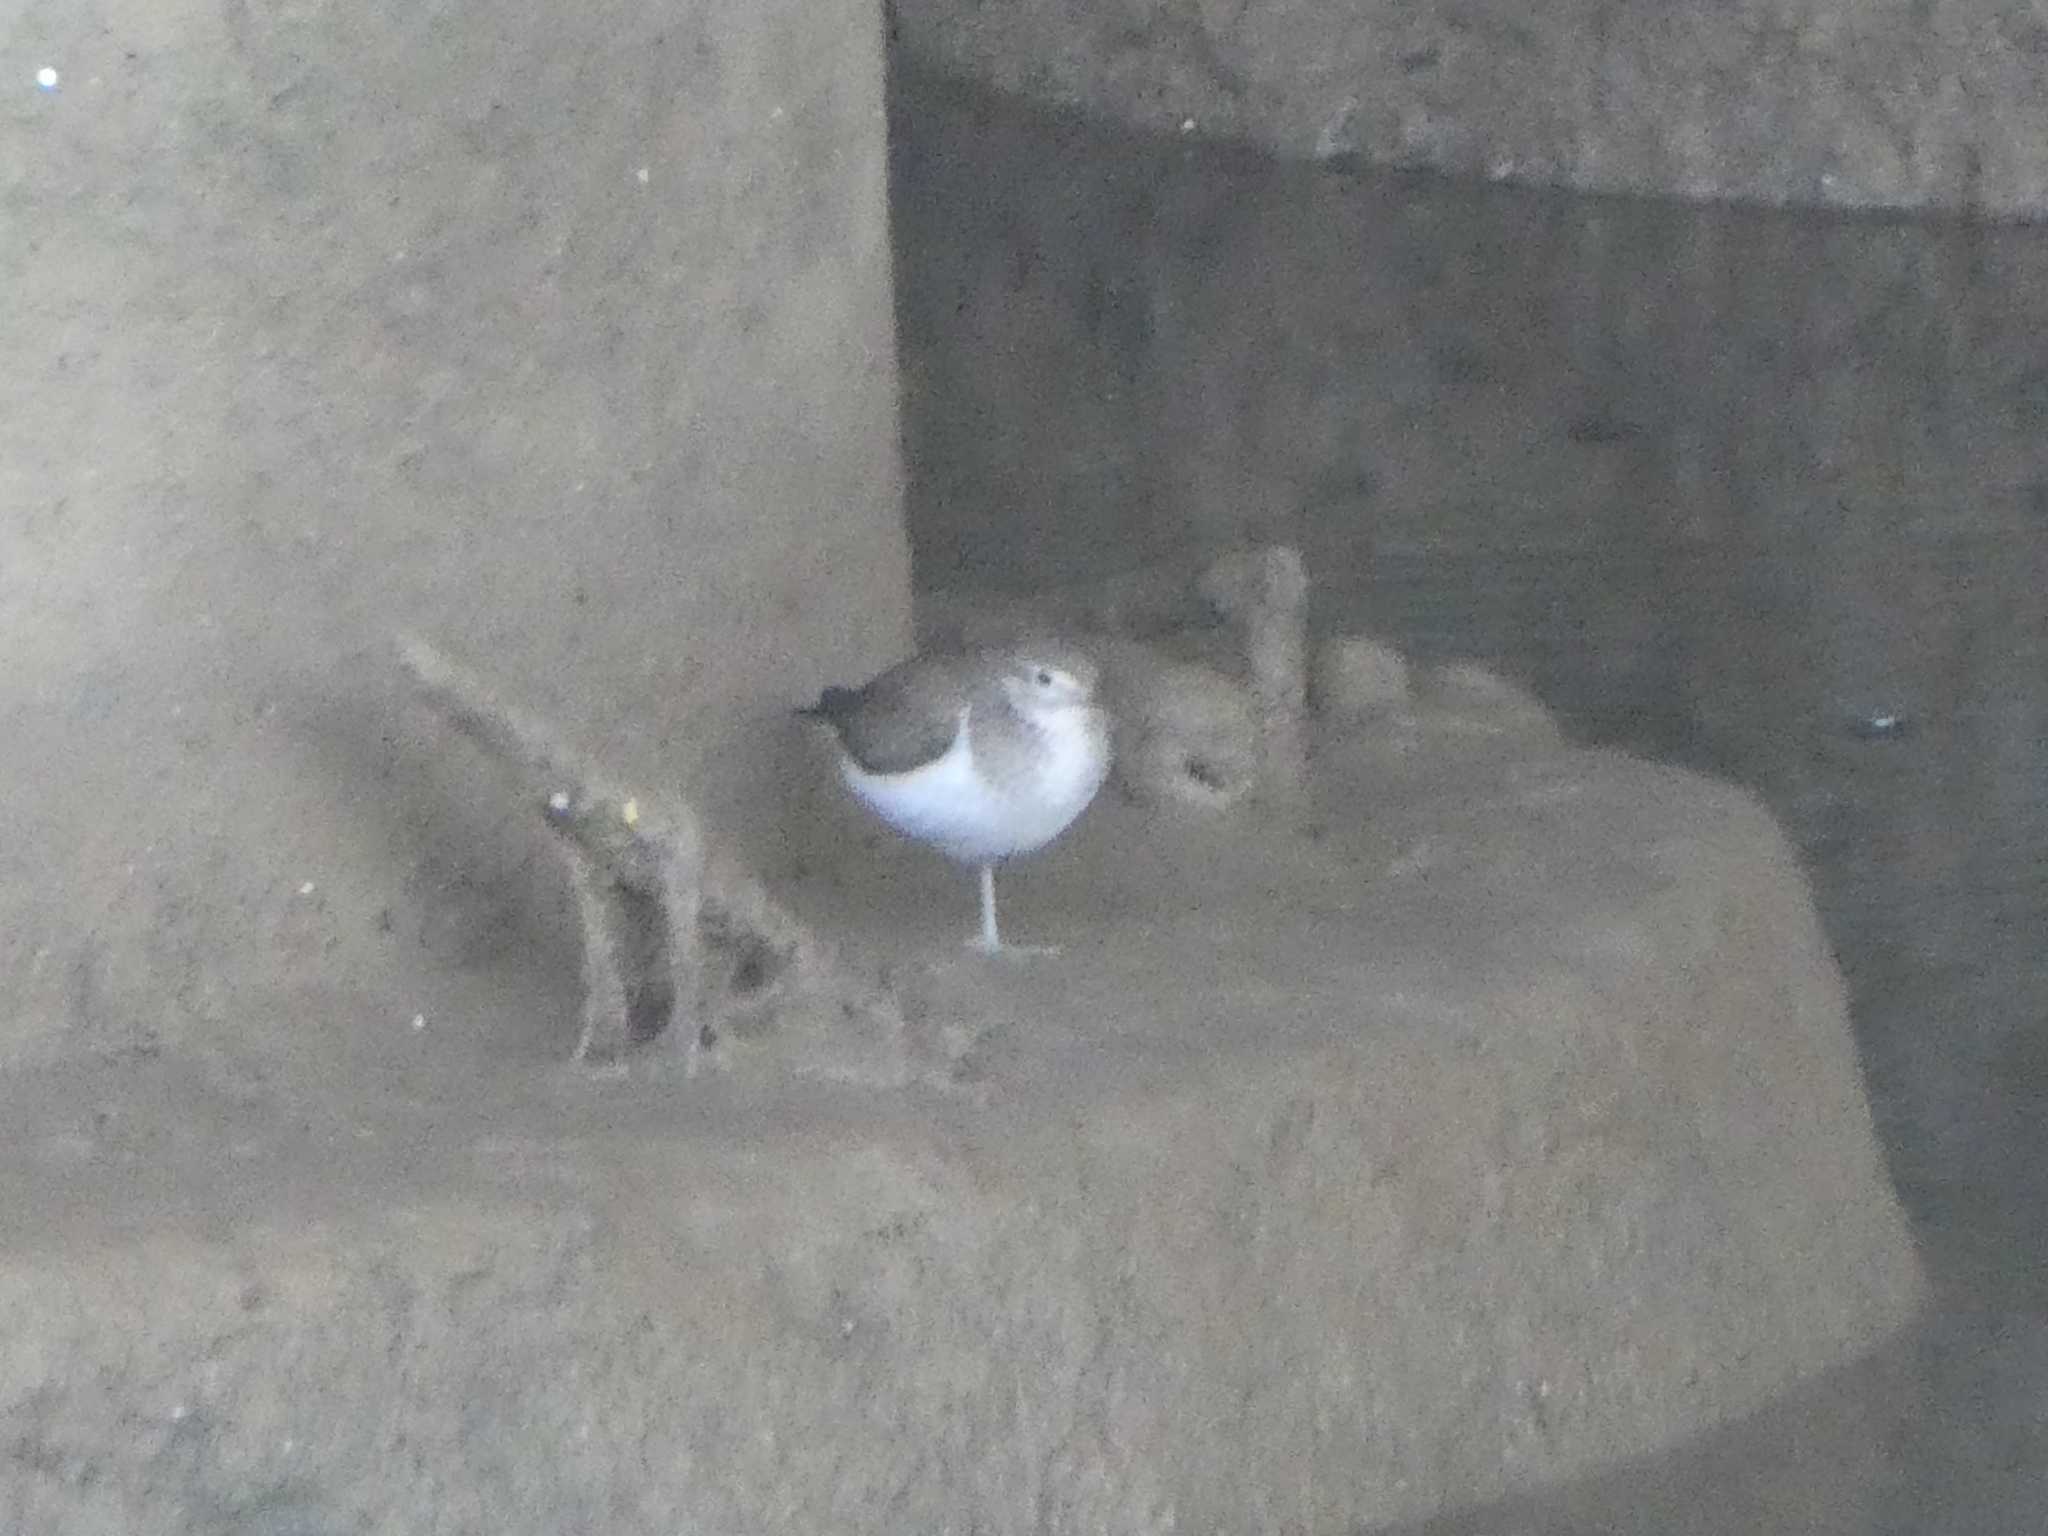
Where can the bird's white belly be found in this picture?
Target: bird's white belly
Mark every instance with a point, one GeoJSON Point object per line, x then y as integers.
{"type": "Point", "coordinates": [948, 804]}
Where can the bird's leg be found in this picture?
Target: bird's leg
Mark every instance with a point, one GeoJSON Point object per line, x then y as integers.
{"type": "Point", "coordinates": [989, 940]}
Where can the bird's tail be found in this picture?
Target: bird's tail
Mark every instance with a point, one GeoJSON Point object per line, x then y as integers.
{"type": "Point", "coordinates": [831, 705]}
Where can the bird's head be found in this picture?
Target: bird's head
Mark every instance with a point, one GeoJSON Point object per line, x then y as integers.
{"type": "Point", "coordinates": [1049, 680]}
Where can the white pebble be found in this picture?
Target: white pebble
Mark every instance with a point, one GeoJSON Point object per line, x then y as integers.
{"type": "Point", "coordinates": [46, 77]}
{"type": "Point", "coordinates": [306, 889]}
{"type": "Point", "coordinates": [419, 1021]}
{"type": "Point", "coordinates": [642, 175]}
{"type": "Point", "coordinates": [1355, 678]}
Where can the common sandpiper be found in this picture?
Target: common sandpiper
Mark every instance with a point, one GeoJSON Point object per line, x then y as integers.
{"type": "Point", "coordinates": [983, 754]}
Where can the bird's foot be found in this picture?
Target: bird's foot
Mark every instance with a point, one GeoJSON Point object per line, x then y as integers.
{"type": "Point", "coordinates": [997, 949]}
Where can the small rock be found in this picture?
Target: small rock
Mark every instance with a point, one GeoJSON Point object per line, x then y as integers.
{"type": "Point", "coordinates": [1355, 678]}
{"type": "Point", "coordinates": [1185, 734]}
{"type": "Point", "coordinates": [1471, 698]}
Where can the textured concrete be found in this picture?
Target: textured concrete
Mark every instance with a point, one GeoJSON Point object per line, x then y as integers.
{"type": "Point", "coordinates": [1760, 491]}
{"type": "Point", "coordinates": [1835, 103]}
{"type": "Point", "coordinates": [1500, 1124]}
{"type": "Point", "coordinates": [1488, 1138]}
{"type": "Point", "coordinates": [561, 337]}
{"type": "Point", "coordinates": [1462, 402]}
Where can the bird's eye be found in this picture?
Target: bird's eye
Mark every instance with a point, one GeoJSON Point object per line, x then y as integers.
{"type": "Point", "coordinates": [1044, 677]}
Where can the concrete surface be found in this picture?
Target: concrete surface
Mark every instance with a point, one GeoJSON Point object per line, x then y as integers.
{"type": "Point", "coordinates": [1827, 103]}
{"type": "Point", "coordinates": [1638, 401]}
{"type": "Point", "coordinates": [1729, 487]}
{"type": "Point", "coordinates": [1719, 484]}
{"type": "Point", "coordinates": [1500, 1124]}
{"type": "Point", "coordinates": [563, 339]}
{"type": "Point", "coordinates": [1505, 1126]}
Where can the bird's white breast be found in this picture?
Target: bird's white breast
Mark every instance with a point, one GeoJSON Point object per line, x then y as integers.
{"type": "Point", "coordinates": [955, 806]}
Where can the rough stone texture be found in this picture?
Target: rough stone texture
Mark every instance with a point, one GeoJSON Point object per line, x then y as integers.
{"type": "Point", "coordinates": [1724, 484]}
{"type": "Point", "coordinates": [1502, 1125]}
{"type": "Point", "coordinates": [1264, 592]}
{"type": "Point", "coordinates": [1289, 1192]}
{"type": "Point", "coordinates": [1356, 678]}
{"type": "Point", "coordinates": [682, 943]}
{"type": "Point", "coordinates": [1187, 735]}
{"type": "Point", "coordinates": [1581, 439]}
{"type": "Point", "coordinates": [1731, 486]}
{"type": "Point", "coordinates": [561, 336]}
{"type": "Point", "coordinates": [1837, 103]}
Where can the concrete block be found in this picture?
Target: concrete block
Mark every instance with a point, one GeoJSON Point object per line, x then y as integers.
{"type": "Point", "coordinates": [1316, 1184]}
{"type": "Point", "coordinates": [562, 338]}
{"type": "Point", "coordinates": [1820, 102]}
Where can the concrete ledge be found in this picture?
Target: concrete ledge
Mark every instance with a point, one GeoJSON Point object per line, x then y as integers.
{"type": "Point", "coordinates": [1800, 102]}
{"type": "Point", "coordinates": [1496, 1123]}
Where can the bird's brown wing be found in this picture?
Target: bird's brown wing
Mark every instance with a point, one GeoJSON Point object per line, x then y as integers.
{"type": "Point", "coordinates": [903, 719]}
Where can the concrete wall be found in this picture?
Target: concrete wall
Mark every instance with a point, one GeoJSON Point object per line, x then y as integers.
{"type": "Point", "coordinates": [562, 334]}
{"type": "Point", "coordinates": [559, 333]}
{"type": "Point", "coordinates": [1831, 102]}
{"type": "Point", "coordinates": [1725, 485]}
{"type": "Point", "coordinates": [1507, 1129]}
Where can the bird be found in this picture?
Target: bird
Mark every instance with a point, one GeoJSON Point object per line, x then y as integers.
{"type": "Point", "coordinates": [982, 753]}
